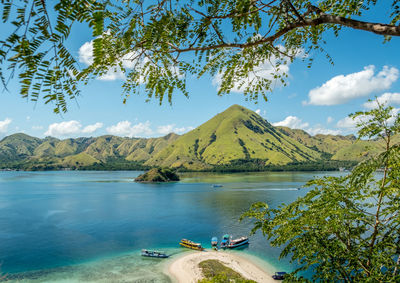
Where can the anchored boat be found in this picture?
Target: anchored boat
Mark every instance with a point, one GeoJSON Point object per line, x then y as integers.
{"type": "Point", "coordinates": [217, 186]}
{"type": "Point", "coordinates": [191, 245]}
{"type": "Point", "coordinates": [157, 254]}
{"type": "Point", "coordinates": [279, 275]}
{"type": "Point", "coordinates": [225, 241]}
{"type": "Point", "coordinates": [238, 242]}
{"type": "Point", "coordinates": [214, 241]}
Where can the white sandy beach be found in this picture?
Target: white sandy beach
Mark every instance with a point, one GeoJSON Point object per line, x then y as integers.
{"type": "Point", "coordinates": [185, 269]}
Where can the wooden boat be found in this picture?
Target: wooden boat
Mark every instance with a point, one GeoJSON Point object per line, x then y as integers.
{"type": "Point", "coordinates": [214, 241]}
{"type": "Point", "coordinates": [157, 254]}
{"type": "Point", "coordinates": [238, 242]}
{"type": "Point", "coordinates": [225, 241]}
{"type": "Point", "coordinates": [279, 275]}
{"type": "Point", "coordinates": [191, 245]}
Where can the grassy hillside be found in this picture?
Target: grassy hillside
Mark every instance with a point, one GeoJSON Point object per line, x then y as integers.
{"type": "Point", "coordinates": [21, 151]}
{"type": "Point", "coordinates": [235, 134]}
{"type": "Point", "coordinates": [322, 143]}
{"type": "Point", "coordinates": [340, 148]}
{"type": "Point", "coordinates": [18, 147]}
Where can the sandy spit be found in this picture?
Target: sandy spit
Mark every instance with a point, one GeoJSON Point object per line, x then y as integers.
{"type": "Point", "coordinates": [185, 269]}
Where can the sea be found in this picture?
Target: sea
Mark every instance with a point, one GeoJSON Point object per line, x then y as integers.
{"type": "Point", "coordinates": [89, 226]}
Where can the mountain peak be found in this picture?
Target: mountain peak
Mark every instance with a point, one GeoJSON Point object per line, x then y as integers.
{"type": "Point", "coordinates": [237, 107]}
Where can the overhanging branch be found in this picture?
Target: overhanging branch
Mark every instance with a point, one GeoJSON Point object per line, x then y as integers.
{"type": "Point", "coordinates": [377, 28]}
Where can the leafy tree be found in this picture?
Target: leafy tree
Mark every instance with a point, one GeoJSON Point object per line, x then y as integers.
{"type": "Point", "coordinates": [149, 40]}
{"type": "Point", "coordinates": [345, 229]}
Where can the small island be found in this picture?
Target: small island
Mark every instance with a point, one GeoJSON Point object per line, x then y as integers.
{"type": "Point", "coordinates": [158, 175]}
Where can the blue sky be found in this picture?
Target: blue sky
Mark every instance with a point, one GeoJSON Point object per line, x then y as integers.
{"type": "Point", "coordinates": [317, 100]}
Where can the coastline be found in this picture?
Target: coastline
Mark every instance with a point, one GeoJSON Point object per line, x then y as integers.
{"type": "Point", "coordinates": [185, 269]}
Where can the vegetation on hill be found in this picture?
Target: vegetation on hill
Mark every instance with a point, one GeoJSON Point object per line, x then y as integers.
{"type": "Point", "coordinates": [235, 134]}
{"type": "Point", "coordinates": [23, 152]}
{"type": "Point", "coordinates": [237, 139]}
{"type": "Point", "coordinates": [158, 175]}
{"type": "Point", "coordinates": [345, 229]}
{"type": "Point", "coordinates": [215, 272]}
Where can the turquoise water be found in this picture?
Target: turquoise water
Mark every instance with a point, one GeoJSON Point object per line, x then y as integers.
{"type": "Point", "coordinates": [90, 226]}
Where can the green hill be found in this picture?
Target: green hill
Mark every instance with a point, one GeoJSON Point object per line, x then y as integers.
{"type": "Point", "coordinates": [24, 152]}
{"type": "Point", "coordinates": [18, 147]}
{"type": "Point", "coordinates": [235, 134]}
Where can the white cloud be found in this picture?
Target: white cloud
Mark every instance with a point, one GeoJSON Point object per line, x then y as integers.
{"type": "Point", "coordinates": [350, 123]}
{"type": "Point", "coordinates": [86, 57]}
{"type": "Point", "coordinates": [292, 122]}
{"type": "Point", "coordinates": [70, 128]}
{"type": "Point", "coordinates": [262, 113]}
{"type": "Point", "coordinates": [265, 70]}
{"type": "Point", "coordinates": [64, 129]}
{"type": "Point", "coordinates": [329, 119]}
{"type": "Point", "coordinates": [4, 125]}
{"type": "Point", "coordinates": [112, 75]}
{"type": "Point", "coordinates": [86, 53]}
{"type": "Point", "coordinates": [343, 88]}
{"type": "Point", "coordinates": [318, 129]}
{"type": "Point", "coordinates": [129, 61]}
{"type": "Point", "coordinates": [385, 99]}
{"type": "Point", "coordinates": [393, 113]}
{"type": "Point", "coordinates": [166, 129]}
{"type": "Point", "coordinates": [126, 129]}
{"type": "Point", "coordinates": [92, 128]}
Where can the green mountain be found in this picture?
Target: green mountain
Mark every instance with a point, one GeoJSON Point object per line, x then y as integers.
{"type": "Point", "coordinates": [25, 152]}
{"type": "Point", "coordinates": [236, 138]}
{"type": "Point", "coordinates": [235, 134]}
{"type": "Point", "coordinates": [17, 147]}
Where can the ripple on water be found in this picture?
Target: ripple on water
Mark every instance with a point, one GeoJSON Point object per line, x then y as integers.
{"type": "Point", "coordinates": [126, 268]}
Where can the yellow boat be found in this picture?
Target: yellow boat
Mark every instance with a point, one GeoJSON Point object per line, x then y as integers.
{"type": "Point", "coordinates": [191, 245]}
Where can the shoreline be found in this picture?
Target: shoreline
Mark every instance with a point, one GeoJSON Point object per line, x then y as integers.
{"type": "Point", "coordinates": [185, 269]}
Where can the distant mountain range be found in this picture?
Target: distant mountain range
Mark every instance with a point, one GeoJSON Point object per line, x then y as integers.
{"type": "Point", "coordinates": [237, 138]}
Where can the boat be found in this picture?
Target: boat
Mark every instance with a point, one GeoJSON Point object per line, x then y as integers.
{"type": "Point", "coordinates": [191, 245]}
{"type": "Point", "coordinates": [238, 242]}
{"type": "Point", "coordinates": [225, 241]}
{"type": "Point", "coordinates": [157, 254]}
{"type": "Point", "coordinates": [214, 241]}
{"type": "Point", "coordinates": [279, 275]}
{"type": "Point", "coordinates": [217, 186]}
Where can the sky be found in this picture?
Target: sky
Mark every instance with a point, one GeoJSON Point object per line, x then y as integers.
{"type": "Point", "coordinates": [317, 99]}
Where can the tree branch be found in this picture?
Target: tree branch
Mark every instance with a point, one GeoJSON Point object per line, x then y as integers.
{"type": "Point", "coordinates": [377, 28]}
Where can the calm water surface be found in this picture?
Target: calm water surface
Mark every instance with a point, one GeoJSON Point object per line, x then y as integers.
{"type": "Point", "coordinates": [90, 226]}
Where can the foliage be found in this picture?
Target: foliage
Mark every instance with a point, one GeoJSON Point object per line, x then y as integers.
{"type": "Point", "coordinates": [116, 165]}
{"type": "Point", "coordinates": [215, 272]}
{"type": "Point", "coordinates": [255, 165]}
{"type": "Point", "coordinates": [346, 229]}
{"type": "Point", "coordinates": [158, 175]}
{"type": "Point", "coordinates": [149, 40]}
